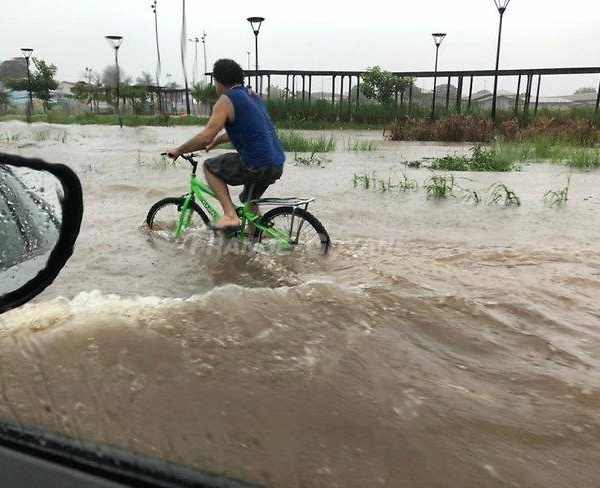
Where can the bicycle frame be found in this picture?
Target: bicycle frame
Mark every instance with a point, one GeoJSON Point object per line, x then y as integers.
{"type": "Point", "coordinates": [199, 191]}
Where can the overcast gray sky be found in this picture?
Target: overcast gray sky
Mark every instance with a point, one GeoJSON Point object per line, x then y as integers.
{"type": "Point", "coordinates": [312, 34]}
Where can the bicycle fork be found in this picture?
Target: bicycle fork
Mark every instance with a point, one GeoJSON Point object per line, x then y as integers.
{"type": "Point", "coordinates": [185, 215]}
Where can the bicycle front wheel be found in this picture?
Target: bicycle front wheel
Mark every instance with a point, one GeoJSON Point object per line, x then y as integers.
{"type": "Point", "coordinates": [164, 215]}
{"type": "Point", "coordinates": [295, 229]}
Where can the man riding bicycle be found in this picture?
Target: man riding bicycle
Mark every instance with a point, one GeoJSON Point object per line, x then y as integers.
{"type": "Point", "coordinates": [259, 159]}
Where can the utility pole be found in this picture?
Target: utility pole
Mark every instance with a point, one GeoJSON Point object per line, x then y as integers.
{"type": "Point", "coordinates": [195, 40]}
{"type": "Point", "coordinates": [204, 49]}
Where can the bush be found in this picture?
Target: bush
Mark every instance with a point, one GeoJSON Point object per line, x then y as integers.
{"type": "Point", "coordinates": [480, 160]}
{"type": "Point", "coordinates": [561, 128]}
{"type": "Point", "coordinates": [300, 111]}
{"type": "Point", "coordinates": [451, 128]}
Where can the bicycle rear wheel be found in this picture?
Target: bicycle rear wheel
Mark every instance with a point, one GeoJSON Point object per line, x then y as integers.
{"type": "Point", "coordinates": [302, 230]}
{"type": "Point", "coordinates": [164, 215]}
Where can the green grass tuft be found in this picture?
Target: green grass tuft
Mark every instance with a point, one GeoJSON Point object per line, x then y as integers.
{"type": "Point", "coordinates": [311, 161]}
{"type": "Point", "coordinates": [294, 142]}
{"type": "Point", "coordinates": [499, 195]}
{"type": "Point", "coordinates": [481, 159]}
{"type": "Point", "coordinates": [439, 186]}
{"type": "Point", "coordinates": [557, 198]}
{"type": "Point", "coordinates": [357, 146]}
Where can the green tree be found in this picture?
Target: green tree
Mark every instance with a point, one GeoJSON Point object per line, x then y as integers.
{"type": "Point", "coordinates": [206, 94]}
{"type": "Point", "coordinates": [13, 69]}
{"type": "Point", "coordinates": [42, 82]}
{"type": "Point", "coordinates": [4, 100]}
{"type": "Point", "coordinates": [81, 91]}
{"type": "Point", "coordinates": [145, 79]}
{"type": "Point", "coordinates": [381, 85]}
{"type": "Point", "coordinates": [137, 96]}
{"type": "Point", "coordinates": [109, 76]}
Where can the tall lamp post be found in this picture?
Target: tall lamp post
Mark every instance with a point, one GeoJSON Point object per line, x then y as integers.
{"type": "Point", "coordinates": [255, 23]}
{"type": "Point", "coordinates": [27, 54]}
{"type": "Point", "coordinates": [158, 63]}
{"type": "Point", "coordinates": [115, 42]}
{"type": "Point", "coordinates": [182, 49]}
{"type": "Point", "coordinates": [88, 72]}
{"type": "Point", "coordinates": [248, 53]}
{"type": "Point", "coordinates": [501, 5]}
{"type": "Point", "coordinates": [438, 37]}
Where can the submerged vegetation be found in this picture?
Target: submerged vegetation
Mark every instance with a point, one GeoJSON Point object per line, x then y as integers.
{"type": "Point", "coordinates": [557, 198]}
{"type": "Point", "coordinates": [439, 186]}
{"type": "Point", "coordinates": [506, 156]}
{"type": "Point", "coordinates": [368, 180]}
{"type": "Point", "coordinates": [544, 150]}
{"type": "Point", "coordinates": [312, 161]}
{"type": "Point", "coordinates": [294, 142]}
{"type": "Point", "coordinates": [499, 195]}
{"type": "Point", "coordinates": [361, 146]}
{"type": "Point", "coordinates": [446, 185]}
{"type": "Point", "coordinates": [161, 163]}
{"type": "Point", "coordinates": [481, 159]}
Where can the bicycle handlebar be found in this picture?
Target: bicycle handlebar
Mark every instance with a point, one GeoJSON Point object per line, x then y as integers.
{"type": "Point", "coordinates": [189, 158]}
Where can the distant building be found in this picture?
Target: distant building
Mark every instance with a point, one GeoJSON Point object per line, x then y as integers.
{"type": "Point", "coordinates": [63, 96]}
{"type": "Point", "coordinates": [18, 98]}
{"type": "Point", "coordinates": [589, 98]}
{"type": "Point", "coordinates": [484, 99]}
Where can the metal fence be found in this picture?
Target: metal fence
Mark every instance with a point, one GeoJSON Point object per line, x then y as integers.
{"type": "Point", "coordinates": [300, 84]}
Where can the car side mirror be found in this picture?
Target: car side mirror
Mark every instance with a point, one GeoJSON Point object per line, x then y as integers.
{"type": "Point", "coordinates": [41, 207]}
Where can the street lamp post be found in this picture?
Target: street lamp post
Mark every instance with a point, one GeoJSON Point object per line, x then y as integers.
{"type": "Point", "coordinates": [438, 37]}
{"type": "Point", "coordinates": [248, 53]}
{"type": "Point", "coordinates": [255, 23]}
{"type": "Point", "coordinates": [27, 54]}
{"type": "Point", "coordinates": [115, 42]}
{"type": "Point", "coordinates": [158, 63]}
{"type": "Point", "coordinates": [182, 49]}
{"type": "Point", "coordinates": [88, 72]}
{"type": "Point", "coordinates": [501, 5]}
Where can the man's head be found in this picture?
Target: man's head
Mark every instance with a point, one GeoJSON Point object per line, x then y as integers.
{"type": "Point", "coordinates": [227, 73]}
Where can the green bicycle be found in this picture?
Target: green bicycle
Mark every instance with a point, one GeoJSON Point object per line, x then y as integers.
{"type": "Point", "coordinates": [289, 226]}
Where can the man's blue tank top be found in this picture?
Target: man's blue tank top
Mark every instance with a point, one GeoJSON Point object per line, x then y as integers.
{"type": "Point", "coordinates": [252, 132]}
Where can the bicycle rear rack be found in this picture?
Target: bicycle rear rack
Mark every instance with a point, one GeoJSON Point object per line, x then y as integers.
{"type": "Point", "coordinates": [291, 202]}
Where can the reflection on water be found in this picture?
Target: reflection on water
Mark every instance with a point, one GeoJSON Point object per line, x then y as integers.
{"type": "Point", "coordinates": [437, 341]}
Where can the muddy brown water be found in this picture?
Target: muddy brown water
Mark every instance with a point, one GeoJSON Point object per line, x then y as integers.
{"type": "Point", "coordinates": [439, 344]}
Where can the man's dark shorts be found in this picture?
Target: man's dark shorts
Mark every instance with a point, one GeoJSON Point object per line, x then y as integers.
{"type": "Point", "coordinates": [232, 170]}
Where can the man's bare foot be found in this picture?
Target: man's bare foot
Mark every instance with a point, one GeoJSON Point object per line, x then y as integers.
{"type": "Point", "coordinates": [228, 221]}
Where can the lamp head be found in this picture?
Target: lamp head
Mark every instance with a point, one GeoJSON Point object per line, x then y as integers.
{"type": "Point", "coordinates": [255, 23]}
{"type": "Point", "coordinates": [114, 41]}
{"type": "Point", "coordinates": [438, 37]}
{"type": "Point", "coordinates": [501, 5]}
{"type": "Point", "coordinates": [26, 52]}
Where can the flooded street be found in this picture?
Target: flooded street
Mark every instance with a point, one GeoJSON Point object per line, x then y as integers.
{"type": "Point", "coordinates": [440, 343]}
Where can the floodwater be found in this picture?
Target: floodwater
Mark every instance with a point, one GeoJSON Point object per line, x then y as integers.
{"type": "Point", "coordinates": [439, 343]}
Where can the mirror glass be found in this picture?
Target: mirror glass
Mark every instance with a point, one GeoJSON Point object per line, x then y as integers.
{"type": "Point", "coordinates": [30, 222]}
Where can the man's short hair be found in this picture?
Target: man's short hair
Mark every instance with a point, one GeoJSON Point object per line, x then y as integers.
{"type": "Point", "coordinates": [228, 72]}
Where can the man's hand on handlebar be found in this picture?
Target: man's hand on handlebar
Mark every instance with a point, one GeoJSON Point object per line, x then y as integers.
{"type": "Point", "coordinates": [173, 153]}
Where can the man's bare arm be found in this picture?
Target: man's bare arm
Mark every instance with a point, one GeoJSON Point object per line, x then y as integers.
{"type": "Point", "coordinates": [220, 139]}
{"type": "Point", "coordinates": [220, 115]}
